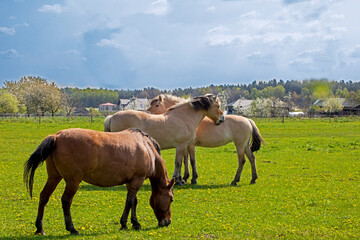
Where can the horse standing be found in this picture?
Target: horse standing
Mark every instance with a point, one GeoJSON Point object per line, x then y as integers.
{"type": "Point", "coordinates": [174, 129]}
{"type": "Point", "coordinates": [240, 130]}
{"type": "Point", "coordinates": [105, 160]}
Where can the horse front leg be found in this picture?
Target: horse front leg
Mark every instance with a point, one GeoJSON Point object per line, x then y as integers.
{"type": "Point", "coordinates": [134, 221]}
{"type": "Point", "coordinates": [131, 203]}
{"type": "Point", "coordinates": [45, 194]}
{"type": "Point", "coordinates": [66, 200]}
{"type": "Point", "coordinates": [195, 175]}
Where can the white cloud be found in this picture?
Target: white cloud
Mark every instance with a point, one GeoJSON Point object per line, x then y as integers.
{"type": "Point", "coordinates": [7, 31]}
{"type": "Point", "coordinates": [221, 40]}
{"type": "Point", "coordinates": [10, 53]}
{"type": "Point", "coordinates": [337, 16]}
{"type": "Point", "coordinates": [74, 52]}
{"type": "Point", "coordinates": [218, 29]}
{"type": "Point", "coordinates": [55, 8]}
{"type": "Point", "coordinates": [210, 9]}
{"type": "Point", "coordinates": [355, 52]}
{"type": "Point", "coordinates": [159, 8]}
{"type": "Point", "coordinates": [25, 24]}
{"type": "Point", "coordinates": [108, 43]}
{"type": "Point", "coordinates": [252, 13]}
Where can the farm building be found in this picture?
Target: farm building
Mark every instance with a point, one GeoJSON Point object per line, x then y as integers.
{"type": "Point", "coordinates": [139, 104]}
{"type": "Point", "coordinates": [108, 107]}
{"type": "Point", "coordinates": [122, 103]}
{"type": "Point", "coordinates": [239, 106]}
{"type": "Point", "coordinates": [134, 103]}
{"type": "Point", "coordinates": [350, 106]}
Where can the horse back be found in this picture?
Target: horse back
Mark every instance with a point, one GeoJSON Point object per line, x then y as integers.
{"type": "Point", "coordinates": [102, 159]}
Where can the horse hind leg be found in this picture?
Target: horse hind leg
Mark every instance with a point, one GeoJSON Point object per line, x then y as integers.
{"type": "Point", "coordinates": [195, 174]}
{"type": "Point", "coordinates": [186, 168]}
{"type": "Point", "coordinates": [45, 194]}
{"type": "Point", "coordinates": [241, 160]}
{"type": "Point", "coordinates": [250, 155]}
{"type": "Point", "coordinates": [66, 200]}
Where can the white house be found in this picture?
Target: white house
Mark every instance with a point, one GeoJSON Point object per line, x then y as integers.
{"type": "Point", "coordinates": [239, 106]}
{"type": "Point", "coordinates": [108, 107]}
{"type": "Point", "coordinates": [139, 104]}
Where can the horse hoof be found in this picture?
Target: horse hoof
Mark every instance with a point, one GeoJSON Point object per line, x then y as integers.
{"type": "Point", "coordinates": [193, 181]}
{"type": "Point", "coordinates": [123, 228]}
{"type": "Point", "coordinates": [74, 232]}
{"type": "Point", "coordinates": [233, 183]}
{"type": "Point", "coordinates": [179, 184]}
{"type": "Point", "coordinates": [252, 182]}
{"type": "Point", "coordinates": [137, 227]}
{"type": "Point", "coordinates": [41, 232]}
{"type": "Point", "coordinates": [185, 178]}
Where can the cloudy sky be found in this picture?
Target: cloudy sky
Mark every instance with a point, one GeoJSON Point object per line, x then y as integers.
{"type": "Point", "coordinates": [178, 43]}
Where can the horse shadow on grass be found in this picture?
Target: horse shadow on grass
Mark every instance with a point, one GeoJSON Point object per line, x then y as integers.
{"type": "Point", "coordinates": [43, 237]}
{"type": "Point", "coordinates": [147, 187]}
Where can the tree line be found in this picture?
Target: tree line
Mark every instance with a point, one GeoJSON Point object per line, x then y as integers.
{"type": "Point", "coordinates": [32, 94]}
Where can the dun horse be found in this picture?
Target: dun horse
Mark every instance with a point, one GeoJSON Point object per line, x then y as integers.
{"type": "Point", "coordinates": [240, 130]}
{"type": "Point", "coordinates": [105, 160]}
{"type": "Point", "coordinates": [174, 129]}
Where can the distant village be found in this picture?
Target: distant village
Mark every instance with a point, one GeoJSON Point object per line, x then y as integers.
{"type": "Point", "coordinates": [275, 98]}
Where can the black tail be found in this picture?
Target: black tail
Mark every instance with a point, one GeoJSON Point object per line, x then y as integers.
{"type": "Point", "coordinates": [36, 159]}
{"type": "Point", "coordinates": [256, 137]}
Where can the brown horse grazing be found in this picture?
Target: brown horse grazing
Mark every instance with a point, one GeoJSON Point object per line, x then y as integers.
{"type": "Point", "coordinates": [174, 129]}
{"type": "Point", "coordinates": [240, 130]}
{"type": "Point", "coordinates": [105, 160]}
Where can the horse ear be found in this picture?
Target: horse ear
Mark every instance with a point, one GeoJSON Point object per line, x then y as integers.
{"type": "Point", "coordinates": [171, 183]}
{"type": "Point", "coordinates": [161, 96]}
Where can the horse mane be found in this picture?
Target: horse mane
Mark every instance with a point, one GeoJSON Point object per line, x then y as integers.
{"type": "Point", "coordinates": [198, 103]}
{"type": "Point", "coordinates": [203, 102]}
{"type": "Point", "coordinates": [154, 142]}
{"type": "Point", "coordinates": [169, 98]}
{"type": "Point", "coordinates": [172, 98]}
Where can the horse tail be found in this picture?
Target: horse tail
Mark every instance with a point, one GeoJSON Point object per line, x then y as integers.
{"type": "Point", "coordinates": [107, 123]}
{"type": "Point", "coordinates": [36, 159]}
{"type": "Point", "coordinates": [256, 137]}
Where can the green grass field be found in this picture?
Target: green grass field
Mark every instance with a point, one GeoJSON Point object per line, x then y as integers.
{"type": "Point", "coordinates": [308, 188]}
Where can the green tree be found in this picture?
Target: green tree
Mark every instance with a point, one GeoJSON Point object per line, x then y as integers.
{"type": "Point", "coordinates": [37, 94]}
{"type": "Point", "coordinates": [332, 105]}
{"type": "Point", "coordinates": [8, 102]}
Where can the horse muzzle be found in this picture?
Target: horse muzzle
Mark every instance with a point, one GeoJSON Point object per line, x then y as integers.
{"type": "Point", "coordinates": [220, 120]}
{"type": "Point", "coordinates": [164, 222]}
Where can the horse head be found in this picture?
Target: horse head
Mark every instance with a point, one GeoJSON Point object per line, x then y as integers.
{"type": "Point", "coordinates": [157, 105]}
{"type": "Point", "coordinates": [212, 105]}
{"type": "Point", "coordinates": [163, 102]}
{"type": "Point", "coordinates": [160, 201]}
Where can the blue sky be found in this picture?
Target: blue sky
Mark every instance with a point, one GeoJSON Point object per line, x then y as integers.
{"type": "Point", "coordinates": [121, 44]}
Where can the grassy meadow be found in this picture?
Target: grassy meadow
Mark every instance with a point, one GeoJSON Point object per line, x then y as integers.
{"type": "Point", "coordinates": [308, 187]}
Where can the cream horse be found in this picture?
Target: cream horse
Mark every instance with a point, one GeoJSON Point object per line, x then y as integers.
{"type": "Point", "coordinates": [240, 130]}
{"type": "Point", "coordinates": [174, 129]}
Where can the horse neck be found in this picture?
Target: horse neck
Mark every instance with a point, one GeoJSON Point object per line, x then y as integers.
{"type": "Point", "coordinates": [159, 177]}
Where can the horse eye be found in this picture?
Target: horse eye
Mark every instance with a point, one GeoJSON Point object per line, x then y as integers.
{"type": "Point", "coordinates": [157, 105]}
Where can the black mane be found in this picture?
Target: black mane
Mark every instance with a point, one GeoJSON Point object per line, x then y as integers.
{"type": "Point", "coordinates": [203, 102]}
{"type": "Point", "coordinates": [154, 142]}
